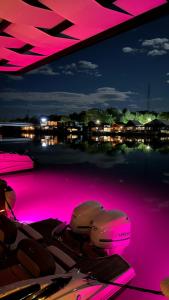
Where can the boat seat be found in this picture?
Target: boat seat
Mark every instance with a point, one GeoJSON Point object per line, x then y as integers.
{"type": "Point", "coordinates": [13, 274]}
{"type": "Point", "coordinates": [8, 233]}
{"type": "Point", "coordinates": [11, 233]}
{"type": "Point", "coordinates": [35, 258]}
{"type": "Point", "coordinates": [33, 261]}
{"type": "Point", "coordinates": [26, 231]}
{"type": "Point", "coordinates": [29, 231]}
{"type": "Point", "coordinates": [48, 227]}
{"type": "Point", "coordinates": [8, 230]}
{"type": "Point", "coordinates": [62, 256]}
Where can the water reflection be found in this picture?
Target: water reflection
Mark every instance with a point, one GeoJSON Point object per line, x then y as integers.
{"type": "Point", "coordinates": [131, 174]}
{"type": "Point", "coordinates": [118, 144]}
{"type": "Point", "coordinates": [28, 135]}
{"type": "Point", "coordinates": [107, 144]}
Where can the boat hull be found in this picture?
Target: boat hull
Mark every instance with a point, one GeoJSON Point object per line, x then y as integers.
{"type": "Point", "coordinates": [13, 162]}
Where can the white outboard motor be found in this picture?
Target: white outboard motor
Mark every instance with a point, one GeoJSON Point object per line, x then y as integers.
{"type": "Point", "coordinates": [83, 216]}
{"type": "Point", "coordinates": [111, 231]}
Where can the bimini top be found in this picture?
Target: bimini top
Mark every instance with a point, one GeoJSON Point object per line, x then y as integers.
{"type": "Point", "coordinates": [34, 32]}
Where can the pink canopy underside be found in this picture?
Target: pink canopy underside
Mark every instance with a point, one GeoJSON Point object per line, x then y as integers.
{"type": "Point", "coordinates": [72, 22]}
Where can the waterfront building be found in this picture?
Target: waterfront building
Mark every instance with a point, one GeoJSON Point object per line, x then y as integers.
{"type": "Point", "coordinates": [157, 126]}
{"type": "Point", "coordinates": [134, 126]}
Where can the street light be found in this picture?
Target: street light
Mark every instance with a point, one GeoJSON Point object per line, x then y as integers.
{"type": "Point", "coordinates": [43, 121]}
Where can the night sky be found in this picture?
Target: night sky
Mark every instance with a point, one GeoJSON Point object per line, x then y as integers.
{"type": "Point", "coordinates": [112, 73]}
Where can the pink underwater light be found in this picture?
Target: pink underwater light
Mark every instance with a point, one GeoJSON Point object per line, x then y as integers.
{"type": "Point", "coordinates": [48, 27]}
{"type": "Point", "coordinates": [54, 193]}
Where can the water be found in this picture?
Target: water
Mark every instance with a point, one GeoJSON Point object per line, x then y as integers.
{"type": "Point", "coordinates": [132, 176]}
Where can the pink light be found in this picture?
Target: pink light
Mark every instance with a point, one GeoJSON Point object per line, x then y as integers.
{"type": "Point", "coordinates": [34, 16]}
{"type": "Point", "coordinates": [11, 42]}
{"type": "Point", "coordinates": [43, 194]}
{"type": "Point", "coordinates": [88, 19]}
{"type": "Point", "coordinates": [16, 58]}
{"type": "Point", "coordinates": [14, 162]}
{"type": "Point", "coordinates": [136, 9]}
{"type": "Point", "coordinates": [36, 37]}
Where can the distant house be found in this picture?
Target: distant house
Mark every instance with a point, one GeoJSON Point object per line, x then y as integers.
{"type": "Point", "coordinates": [73, 127]}
{"type": "Point", "coordinates": [118, 127]}
{"type": "Point", "coordinates": [100, 128]}
{"type": "Point", "coordinates": [93, 127]}
{"type": "Point", "coordinates": [134, 125]}
{"type": "Point", "coordinates": [49, 123]}
{"type": "Point", "coordinates": [106, 128]}
{"type": "Point", "coordinates": [157, 126]}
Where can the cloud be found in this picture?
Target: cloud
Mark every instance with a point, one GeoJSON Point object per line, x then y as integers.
{"type": "Point", "coordinates": [151, 47]}
{"type": "Point", "coordinates": [129, 50]}
{"type": "Point", "coordinates": [67, 72]}
{"type": "Point", "coordinates": [82, 66]}
{"type": "Point", "coordinates": [62, 102]}
{"type": "Point", "coordinates": [133, 106]}
{"type": "Point", "coordinates": [166, 174]}
{"type": "Point", "coordinates": [44, 70]}
{"type": "Point", "coordinates": [156, 52]}
{"type": "Point", "coordinates": [112, 94]}
{"type": "Point", "coordinates": [167, 81]}
{"type": "Point", "coordinates": [166, 46]}
{"type": "Point", "coordinates": [157, 42]}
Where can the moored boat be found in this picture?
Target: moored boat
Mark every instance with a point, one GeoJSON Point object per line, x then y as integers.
{"type": "Point", "coordinates": [14, 162]}
{"type": "Point", "coordinates": [58, 261]}
{"type": "Point", "coordinates": [50, 259]}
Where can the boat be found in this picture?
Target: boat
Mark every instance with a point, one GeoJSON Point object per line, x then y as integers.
{"type": "Point", "coordinates": [14, 162]}
{"type": "Point", "coordinates": [14, 140]}
{"type": "Point", "coordinates": [50, 259]}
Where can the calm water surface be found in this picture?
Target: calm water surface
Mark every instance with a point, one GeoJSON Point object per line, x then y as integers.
{"type": "Point", "coordinates": [132, 176]}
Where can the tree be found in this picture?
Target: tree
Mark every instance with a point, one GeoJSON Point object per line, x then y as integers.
{"type": "Point", "coordinates": [65, 119]}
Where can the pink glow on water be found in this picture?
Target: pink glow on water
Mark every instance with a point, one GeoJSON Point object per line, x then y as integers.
{"type": "Point", "coordinates": [86, 19]}
{"type": "Point", "coordinates": [43, 194]}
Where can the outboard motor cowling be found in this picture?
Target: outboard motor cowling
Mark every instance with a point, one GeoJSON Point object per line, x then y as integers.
{"type": "Point", "coordinates": [111, 231]}
{"type": "Point", "coordinates": [83, 216]}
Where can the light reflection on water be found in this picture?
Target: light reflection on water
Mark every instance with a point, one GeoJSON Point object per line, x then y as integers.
{"type": "Point", "coordinates": [131, 176]}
